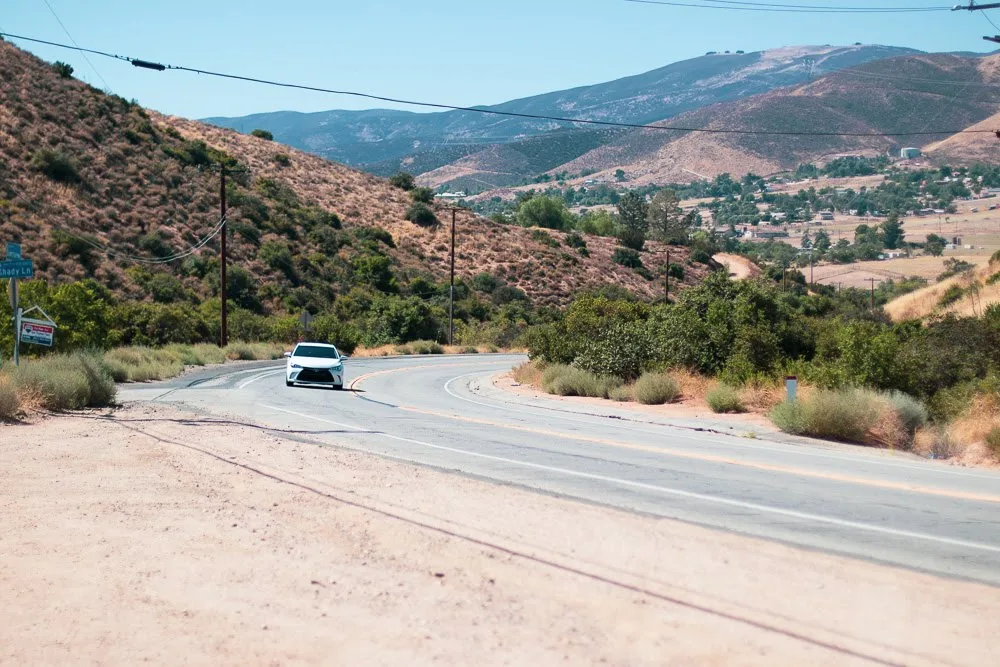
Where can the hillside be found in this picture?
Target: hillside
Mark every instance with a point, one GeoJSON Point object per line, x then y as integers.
{"type": "Point", "coordinates": [965, 295]}
{"type": "Point", "coordinates": [911, 93]}
{"type": "Point", "coordinates": [384, 140]}
{"type": "Point", "coordinates": [89, 182]}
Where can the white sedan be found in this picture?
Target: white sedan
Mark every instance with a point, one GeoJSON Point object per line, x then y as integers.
{"type": "Point", "coordinates": [315, 364]}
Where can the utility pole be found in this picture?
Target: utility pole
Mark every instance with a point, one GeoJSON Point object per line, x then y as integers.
{"type": "Point", "coordinates": [224, 330]}
{"type": "Point", "coordinates": [223, 254]}
{"type": "Point", "coordinates": [811, 281]}
{"type": "Point", "coordinates": [872, 280]}
{"type": "Point", "coordinates": [451, 291]}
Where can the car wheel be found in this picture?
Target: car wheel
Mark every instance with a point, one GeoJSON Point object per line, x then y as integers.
{"type": "Point", "coordinates": [289, 384]}
{"type": "Point", "coordinates": [337, 387]}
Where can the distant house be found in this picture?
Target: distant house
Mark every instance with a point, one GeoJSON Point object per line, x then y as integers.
{"type": "Point", "coordinates": [769, 234]}
{"type": "Point", "coordinates": [451, 195]}
{"type": "Point", "coordinates": [826, 215]}
{"type": "Point", "coordinates": [909, 153]}
{"type": "Point", "coordinates": [892, 254]}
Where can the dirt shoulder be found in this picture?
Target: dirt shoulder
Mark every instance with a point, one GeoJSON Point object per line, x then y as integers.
{"type": "Point", "coordinates": [166, 537]}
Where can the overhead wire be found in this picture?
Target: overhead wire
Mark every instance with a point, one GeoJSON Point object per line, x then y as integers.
{"type": "Point", "coordinates": [146, 260]}
{"type": "Point", "coordinates": [65, 30]}
{"type": "Point", "coordinates": [496, 112]}
{"type": "Point", "coordinates": [746, 6]}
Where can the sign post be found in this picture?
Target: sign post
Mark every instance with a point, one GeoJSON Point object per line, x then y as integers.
{"type": "Point", "coordinates": [13, 268]}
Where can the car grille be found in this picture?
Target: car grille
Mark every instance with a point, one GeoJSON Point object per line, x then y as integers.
{"type": "Point", "coordinates": [315, 375]}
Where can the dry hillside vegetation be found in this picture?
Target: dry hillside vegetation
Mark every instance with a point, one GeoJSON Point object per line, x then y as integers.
{"type": "Point", "coordinates": [966, 295]}
{"type": "Point", "coordinates": [79, 167]}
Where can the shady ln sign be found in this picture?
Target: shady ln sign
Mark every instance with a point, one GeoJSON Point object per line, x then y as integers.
{"type": "Point", "coordinates": [15, 266]}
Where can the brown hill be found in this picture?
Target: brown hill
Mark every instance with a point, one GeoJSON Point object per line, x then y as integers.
{"type": "Point", "coordinates": [905, 94]}
{"type": "Point", "coordinates": [90, 182]}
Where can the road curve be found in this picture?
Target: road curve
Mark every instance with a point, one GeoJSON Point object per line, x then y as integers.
{"type": "Point", "coordinates": [441, 412]}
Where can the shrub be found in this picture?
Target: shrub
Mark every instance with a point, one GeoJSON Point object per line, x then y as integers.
{"type": "Point", "coordinates": [951, 295]}
{"type": "Point", "coordinates": [544, 238]}
{"type": "Point", "coordinates": [426, 347]}
{"type": "Point", "coordinates": [565, 380]}
{"type": "Point", "coordinates": [142, 364]}
{"type": "Point", "coordinates": [843, 414]}
{"type": "Point", "coordinates": [282, 160]}
{"type": "Point", "coordinates": [675, 271]}
{"type": "Point", "coordinates": [992, 438]}
{"type": "Point", "coordinates": [620, 350]}
{"type": "Point", "coordinates": [627, 257]}
{"type": "Point", "coordinates": [65, 70]}
{"type": "Point", "coordinates": [422, 195]}
{"type": "Point", "coordinates": [263, 134]}
{"type": "Point", "coordinates": [10, 405]}
{"type": "Point", "coordinates": [574, 240]}
{"type": "Point", "coordinates": [656, 389]}
{"type": "Point", "coordinates": [910, 411]}
{"type": "Point", "coordinates": [699, 257]}
{"type": "Point", "coordinates": [403, 181]}
{"type": "Point", "coordinates": [485, 282]}
{"type": "Point", "coordinates": [724, 398]}
{"type": "Point", "coordinates": [421, 214]}
{"type": "Point", "coordinates": [65, 381]}
{"type": "Point", "coordinates": [56, 165]}
{"type": "Point", "coordinates": [622, 394]}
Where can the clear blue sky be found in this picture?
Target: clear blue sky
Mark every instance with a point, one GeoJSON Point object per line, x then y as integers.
{"type": "Point", "coordinates": [457, 52]}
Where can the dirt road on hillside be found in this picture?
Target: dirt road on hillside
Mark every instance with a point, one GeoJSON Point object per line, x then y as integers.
{"type": "Point", "coordinates": [165, 537]}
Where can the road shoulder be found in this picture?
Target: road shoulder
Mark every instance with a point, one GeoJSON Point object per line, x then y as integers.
{"type": "Point", "coordinates": [150, 533]}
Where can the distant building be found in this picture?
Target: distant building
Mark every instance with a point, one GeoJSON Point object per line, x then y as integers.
{"type": "Point", "coordinates": [909, 153]}
{"type": "Point", "coordinates": [826, 215]}
{"type": "Point", "coordinates": [451, 195]}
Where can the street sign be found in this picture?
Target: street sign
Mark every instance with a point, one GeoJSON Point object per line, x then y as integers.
{"type": "Point", "coordinates": [37, 332]}
{"type": "Point", "coordinates": [13, 250]}
{"type": "Point", "coordinates": [306, 319]}
{"type": "Point", "coordinates": [17, 268]}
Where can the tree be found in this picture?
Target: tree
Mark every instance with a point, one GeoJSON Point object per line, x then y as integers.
{"type": "Point", "coordinates": [935, 245]}
{"type": "Point", "coordinates": [806, 240]}
{"type": "Point", "coordinates": [891, 231]}
{"type": "Point", "coordinates": [421, 214]}
{"type": "Point", "coordinates": [545, 212]}
{"type": "Point", "coordinates": [422, 195]}
{"type": "Point", "coordinates": [865, 235]}
{"type": "Point", "coordinates": [620, 175]}
{"type": "Point", "coordinates": [666, 219]}
{"type": "Point", "coordinates": [822, 241]}
{"type": "Point", "coordinates": [632, 221]}
{"type": "Point", "coordinates": [403, 181]}
{"type": "Point", "coordinates": [262, 134]}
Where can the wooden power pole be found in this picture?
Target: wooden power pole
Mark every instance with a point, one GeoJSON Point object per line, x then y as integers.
{"type": "Point", "coordinates": [451, 291]}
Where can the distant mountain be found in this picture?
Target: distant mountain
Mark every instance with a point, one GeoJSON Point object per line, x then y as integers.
{"type": "Point", "coordinates": [383, 140]}
{"type": "Point", "coordinates": [907, 94]}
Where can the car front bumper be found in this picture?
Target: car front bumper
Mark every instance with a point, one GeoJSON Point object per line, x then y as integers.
{"type": "Point", "coordinates": [326, 376]}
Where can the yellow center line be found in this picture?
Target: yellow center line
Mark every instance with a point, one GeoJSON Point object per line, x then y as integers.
{"type": "Point", "coordinates": [665, 451]}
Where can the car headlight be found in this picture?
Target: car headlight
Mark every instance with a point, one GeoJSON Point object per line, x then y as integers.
{"type": "Point", "coordinates": [296, 366]}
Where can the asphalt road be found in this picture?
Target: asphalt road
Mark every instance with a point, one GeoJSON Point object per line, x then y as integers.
{"type": "Point", "coordinates": [443, 412]}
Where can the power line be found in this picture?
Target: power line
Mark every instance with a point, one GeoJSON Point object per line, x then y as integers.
{"type": "Point", "coordinates": [746, 6]}
{"type": "Point", "coordinates": [63, 26]}
{"type": "Point", "coordinates": [494, 112]}
{"type": "Point", "coordinates": [145, 260]}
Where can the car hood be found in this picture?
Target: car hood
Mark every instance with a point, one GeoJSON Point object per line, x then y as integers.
{"type": "Point", "coordinates": [313, 362]}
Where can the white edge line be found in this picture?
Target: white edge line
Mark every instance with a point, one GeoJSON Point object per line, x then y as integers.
{"type": "Point", "coordinates": [785, 449]}
{"type": "Point", "coordinates": [261, 376]}
{"type": "Point", "coordinates": [816, 518]}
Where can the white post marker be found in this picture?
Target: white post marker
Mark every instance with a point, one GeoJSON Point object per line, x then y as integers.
{"type": "Point", "coordinates": [791, 388]}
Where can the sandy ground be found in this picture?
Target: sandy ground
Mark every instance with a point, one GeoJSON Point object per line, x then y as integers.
{"type": "Point", "coordinates": [167, 538]}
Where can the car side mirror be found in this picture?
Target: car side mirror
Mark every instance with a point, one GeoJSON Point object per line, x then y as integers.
{"type": "Point", "coordinates": [344, 356]}
{"type": "Point", "coordinates": [288, 354]}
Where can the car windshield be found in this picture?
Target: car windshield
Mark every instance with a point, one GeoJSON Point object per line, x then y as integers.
{"type": "Point", "coordinates": [316, 352]}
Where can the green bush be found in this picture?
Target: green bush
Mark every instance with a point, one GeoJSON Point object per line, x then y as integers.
{"type": "Point", "coordinates": [620, 350]}
{"type": "Point", "coordinates": [842, 414]}
{"type": "Point", "coordinates": [421, 214]}
{"type": "Point", "coordinates": [65, 381]}
{"type": "Point", "coordinates": [656, 389]}
{"type": "Point", "coordinates": [143, 364]}
{"type": "Point", "coordinates": [544, 238]}
{"type": "Point", "coordinates": [282, 159]}
{"type": "Point", "coordinates": [426, 347]}
{"type": "Point", "coordinates": [574, 240]}
{"type": "Point", "coordinates": [403, 181]}
{"type": "Point", "coordinates": [422, 195]}
{"type": "Point", "coordinates": [724, 398]}
{"type": "Point", "coordinates": [627, 257]}
{"type": "Point", "coordinates": [675, 271]}
{"type": "Point", "coordinates": [622, 394]}
{"type": "Point", "coordinates": [65, 70]}
{"type": "Point", "coordinates": [912, 413]}
{"type": "Point", "coordinates": [565, 380]}
{"type": "Point", "coordinates": [263, 134]}
{"type": "Point", "coordinates": [951, 295]}
{"type": "Point", "coordinates": [56, 165]}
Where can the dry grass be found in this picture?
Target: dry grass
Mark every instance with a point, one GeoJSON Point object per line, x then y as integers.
{"type": "Point", "coordinates": [424, 347]}
{"type": "Point", "coordinates": [656, 389]}
{"type": "Point", "coordinates": [529, 373]}
{"type": "Point", "coordinates": [926, 301]}
{"type": "Point", "coordinates": [10, 405]}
